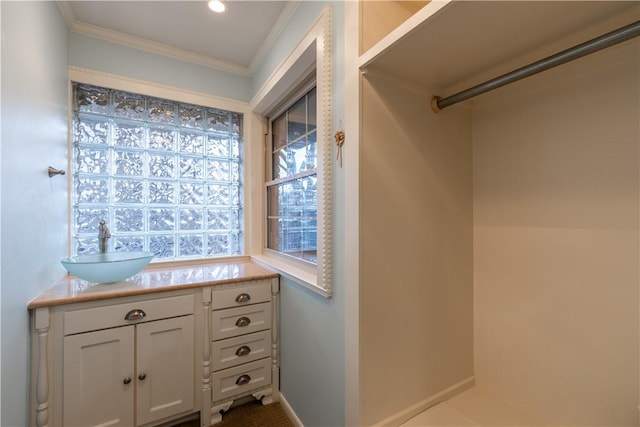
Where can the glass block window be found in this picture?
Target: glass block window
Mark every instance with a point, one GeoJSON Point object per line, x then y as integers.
{"type": "Point", "coordinates": [165, 175]}
{"type": "Point", "coordinates": [292, 203]}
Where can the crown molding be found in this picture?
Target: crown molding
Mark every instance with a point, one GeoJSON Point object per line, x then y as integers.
{"type": "Point", "coordinates": [67, 13]}
{"type": "Point", "coordinates": [146, 45]}
{"type": "Point", "coordinates": [157, 48]}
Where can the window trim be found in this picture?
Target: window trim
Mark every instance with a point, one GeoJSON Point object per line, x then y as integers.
{"type": "Point", "coordinates": [313, 52]}
{"type": "Point", "coordinates": [126, 84]}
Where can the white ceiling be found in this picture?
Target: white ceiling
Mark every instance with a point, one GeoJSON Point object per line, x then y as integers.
{"type": "Point", "coordinates": [234, 41]}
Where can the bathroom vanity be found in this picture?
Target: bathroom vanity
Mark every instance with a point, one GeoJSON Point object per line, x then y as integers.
{"type": "Point", "coordinates": [172, 341]}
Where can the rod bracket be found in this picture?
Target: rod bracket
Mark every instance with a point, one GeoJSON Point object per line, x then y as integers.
{"type": "Point", "coordinates": [434, 104]}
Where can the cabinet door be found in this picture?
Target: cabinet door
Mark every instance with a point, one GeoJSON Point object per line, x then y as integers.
{"type": "Point", "coordinates": [98, 384]}
{"type": "Point", "coordinates": [165, 368]}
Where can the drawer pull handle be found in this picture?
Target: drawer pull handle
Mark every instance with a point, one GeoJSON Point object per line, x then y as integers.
{"type": "Point", "coordinates": [135, 314]}
{"type": "Point", "coordinates": [126, 380]}
{"type": "Point", "coordinates": [243, 298]}
{"type": "Point", "coordinates": [243, 351]}
{"type": "Point", "coordinates": [243, 321]}
{"type": "Point", "coordinates": [243, 379]}
{"type": "Point", "coordinates": [142, 376]}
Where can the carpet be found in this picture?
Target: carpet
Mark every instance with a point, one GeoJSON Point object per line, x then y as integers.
{"type": "Point", "coordinates": [251, 414]}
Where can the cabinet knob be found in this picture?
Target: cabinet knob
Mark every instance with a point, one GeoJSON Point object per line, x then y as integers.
{"type": "Point", "coordinates": [243, 351]}
{"type": "Point", "coordinates": [243, 321]}
{"type": "Point", "coordinates": [243, 379]}
{"type": "Point", "coordinates": [127, 380]}
{"type": "Point", "coordinates": [243, 297]}
{"type": "Point", "coordinates": [142, 376]}
{"type": "Point", "coordinates": [135, 314]}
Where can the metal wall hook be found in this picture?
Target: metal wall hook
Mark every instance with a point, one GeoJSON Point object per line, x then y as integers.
{"type": "Point", "coordinates": [53, 171]}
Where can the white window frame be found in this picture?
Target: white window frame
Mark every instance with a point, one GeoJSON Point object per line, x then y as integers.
{"type": "Point", "coordinates": [112, 81]}
{"type": "Point", "coordinates": [313, 52]}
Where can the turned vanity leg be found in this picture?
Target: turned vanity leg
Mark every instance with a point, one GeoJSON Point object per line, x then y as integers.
{"type": "Point", "coordinates": [218, 410]}
{"type": "Point", "coordinates": [205, 412]}
{"type": "Point", "coordinates": [42, 377]}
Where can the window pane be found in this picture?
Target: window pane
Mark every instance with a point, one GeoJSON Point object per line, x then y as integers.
{"type": "Point", "coordinates": [92, 160]}
{"type": "Point", "coordinates": [219, 120]}
{"type": "Point", "coordinates": [292, 217]}
{"type": "Point", "coordinates": [129, 244]}
{"type": "Point", "coordinates": [129, 135]}
{"type": "Point", "coordinates": [166, 176]}
{"type": "Point", "coordinates": [128, 163]}
{"type": "Point", "coordinates": [192, 245]}
{"type": "Point", "coordinates": [91, 99]}
{"type": "Point", "coordinates": [91, 130]}
{"type": "Point", "coordinates": [161, 139]}
{"type": "Point", "coordinates": [191, 116]}
{"type": "Point", "coordinates": [162, 111]}
{"type": "Point", "coordinates": [162, 166]}
{"type": "Point", "coordinates": [191, 167]}
{"type": "Point", "coordinates": [129, 105]}
{"type": "Point", "coordinates": [87, 220]}
{"type": "Point", "coordinates": [294, 151]}
{"type": "Point", "coordinates": [297, 120]}
{"type": "Point", "coordinates": [128, 219]}
{"type": "Point", "coordinates": [218, 146]}
{"type": "Point", "coordinates": [295, 158]}
{"type": "Point", "coordinates": [191, 142]}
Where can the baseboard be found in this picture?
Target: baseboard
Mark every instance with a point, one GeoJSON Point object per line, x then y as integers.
{"type": "Point", "coordinates": [289, 411]}
{"type": "Point", "coordinates": [410, 412]}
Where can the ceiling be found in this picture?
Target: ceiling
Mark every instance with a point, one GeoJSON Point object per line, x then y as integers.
{"type": "Point", "coordinates": [235, 41]}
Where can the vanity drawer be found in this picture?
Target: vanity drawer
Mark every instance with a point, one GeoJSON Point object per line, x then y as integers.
{"type": "Point", "coordinates": [240, 320]}
{"type": "Point", "coordinates": [233, 381]}
{"type": "Point", "coordinates": [242, 349]}
{"type": "Point", "coordinates": [111, 316]}
{"type": "Point", "coordinates": [238, 296]}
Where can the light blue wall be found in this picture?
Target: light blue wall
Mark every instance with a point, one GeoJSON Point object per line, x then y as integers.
{"type": "Point", "coordinates": [34, 206]}
{"type": "Point", "coordinates": [300, 23]}
{"type": "Point", "coordinates": [36, 48]}
{"type": "Point", "coordinates": [312, 332]}
{"type": "Point", "coordinates": [101, 55]}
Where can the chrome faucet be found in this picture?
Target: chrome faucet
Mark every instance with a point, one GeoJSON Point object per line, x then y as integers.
{"type": "Point", "coordinates": [103, 235]}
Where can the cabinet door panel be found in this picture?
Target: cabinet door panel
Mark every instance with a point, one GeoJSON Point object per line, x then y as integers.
{"type": "Point", "coordinates": [96, 366]}
{"type": "Point", "coordinates": [165, 368]}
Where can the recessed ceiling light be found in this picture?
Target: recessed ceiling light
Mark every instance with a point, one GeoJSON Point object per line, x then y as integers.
{"type": "Point", "coordinates": [217, 6]}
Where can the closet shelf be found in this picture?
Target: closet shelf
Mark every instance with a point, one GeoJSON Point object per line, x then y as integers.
{"type": "Point", "coordinates": [451, 45]}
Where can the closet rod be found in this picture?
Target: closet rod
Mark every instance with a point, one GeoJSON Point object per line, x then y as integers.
{"type": "Point", "coordinates": [614, 37]}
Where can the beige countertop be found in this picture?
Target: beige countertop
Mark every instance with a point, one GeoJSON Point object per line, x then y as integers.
{"type": "Point", "coordinates": [155, 278]}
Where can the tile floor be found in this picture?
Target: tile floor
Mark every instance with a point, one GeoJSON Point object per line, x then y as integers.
{"type": "Point", "coordinates": [476, 407]}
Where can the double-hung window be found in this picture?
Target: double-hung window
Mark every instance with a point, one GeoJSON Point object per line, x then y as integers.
{"type": "Point", "coordinates": [166, 176]}
{"type": "Point", "coordinates": [292, 183]}
{"type": "Point", "coordinates": [296, 213]}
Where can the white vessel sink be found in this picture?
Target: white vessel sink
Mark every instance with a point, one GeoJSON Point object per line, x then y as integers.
{"type": "Point", "coordinates": [107, 267]}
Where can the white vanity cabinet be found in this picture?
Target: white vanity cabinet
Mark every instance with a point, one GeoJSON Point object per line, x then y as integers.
{"type": "Point", "coordinates": [129, 375]}
{"type": "Point", "coordinates": [243, 344]}
{"type": "Point", "coordinates": [175, 341]}
{"type": "Point", "coordinates": [120, 361]}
